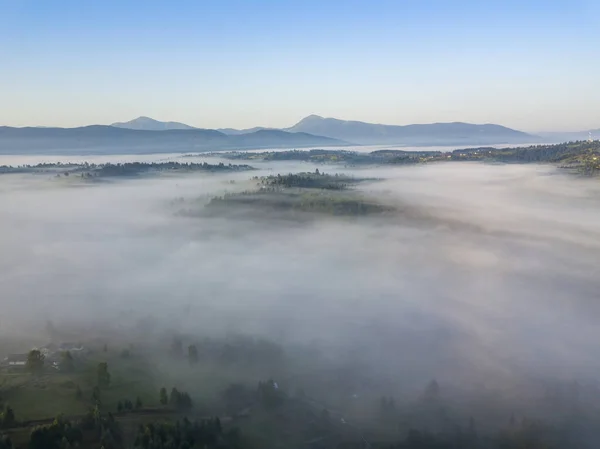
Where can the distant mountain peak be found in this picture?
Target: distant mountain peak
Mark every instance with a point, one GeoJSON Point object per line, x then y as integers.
{"type": "Point", "coordinates": [310, 118]}
{"type": "Point", "coordinates": [149, 124]}
{"type": "Point", "coordinates": [455, 133]}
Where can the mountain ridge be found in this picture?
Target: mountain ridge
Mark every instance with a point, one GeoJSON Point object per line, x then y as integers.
{"type": "Point", "coordinates": [106, 139]}
{"type": "Point", "coordinates": [442, 133]}
{"type": "Point", "coordinates": [149, 124]}
{"type": "Point", "coordinates": [364, 133]}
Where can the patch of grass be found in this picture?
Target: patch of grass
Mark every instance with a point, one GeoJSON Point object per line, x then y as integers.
{"type": "Point", "coordinates": [130, 378]}
{"type": "Point", "coordinates": [42, 397]}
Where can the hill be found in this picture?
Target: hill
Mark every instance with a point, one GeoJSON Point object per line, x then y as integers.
{"type": "Point", "coordinates": [235, 132]}
{"type": "Point", "coordinates": [456, 133]}
{"type": "Point", "coordinates": [149, 124]}
{"type": "Point", "coordinates": [99, 139]}
{"type": "Point", "coordinates": [574, 136]}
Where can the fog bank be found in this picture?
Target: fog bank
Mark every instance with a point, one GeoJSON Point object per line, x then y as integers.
{"type": "Point", "coordinates": [488, 272]}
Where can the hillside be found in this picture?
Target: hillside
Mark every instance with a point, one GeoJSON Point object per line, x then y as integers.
{"type": "Point", "coordinates": [558, 136]}
{"type": "Point", "coordinates": [235, 132]}
{"type": "Point", "coordinates": [100, 139]}
{"type": "Point", "coordinates": [149, 124]}
{"type": "Point", "coordinates": [427, 134]}
{"type": "Point", "coordinates": [363, 133]}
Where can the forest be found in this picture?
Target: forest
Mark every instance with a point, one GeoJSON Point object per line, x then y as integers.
{"type": "Point", "coordinates": [126, 169]}
{"type": "Point", "coordinates": [298, 196]}
{"type": "Point", "coordinates": [283, 410]}
{"type": "Point", "coordinates": [582, 157]}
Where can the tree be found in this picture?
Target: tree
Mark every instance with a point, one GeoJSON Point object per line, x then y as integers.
{"type": "Point", "coordinates": [174, 397]}
{"type": "Point", "coordinates": [120, 406]}
{"type": "Point", "coordinates": [50, 329]}
{"type": "Point", "coordinates": [164, 400]}
{"type": "Point", "coordinates": [269, 394]}
{"type": "Point", "coordinates": [61, 434]}
{"type": "Point", "coordinates": [107, 441]}
{"type": "Point", "coordinates": [64, 444]}
{"type": "Point", "coordinates": [472, 430]}
{"type": "Point", "coordinates": [67, 363]}
{"type": "Point", "coordinates": [432, 392]}
{"type": "Point", "coordinates": [193, 354]}
{"type": "Point", "coordinates": [138, 403]}
{"type": "Point", "coordinates": [78, 392]}
{"type": "Point", "coordinates": [35, 361]}
{"type": "Point", "coordinates": [185, 401]}
{"type": "Point", "coordinates": [103, 375]}
{"type": "Point", "coordinates": [96, 395]}
{"type": "Point", "coordinates": [325, 417]}
{"type": "Point", "coordinates": [5, 443]}
{"type": "Point", "coordinates": [181, 400]}
{"type": "Point", "coordinates": [177, 347]}
{"type": "Point", "coordinates": [7, 418]}
{"type": "Point", "coordinates": [387, 405]}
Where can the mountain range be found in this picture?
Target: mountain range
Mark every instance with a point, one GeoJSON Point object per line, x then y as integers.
{"type": "Point", "coordinates": [570, 136]}
{"type": "Point", "coordinates": [102, 139]}
{"type": "Point", "coordinates": [146, 135]}
{"type": "Point", "coordinates": [149, 124]}
{"type": "Point", "coordinates": [372, 134]}
{"type": "Point", "coordinates": [456, 133]}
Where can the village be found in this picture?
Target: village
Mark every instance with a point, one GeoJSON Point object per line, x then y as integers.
{"type": "Point", "coordinates": [52, 354]}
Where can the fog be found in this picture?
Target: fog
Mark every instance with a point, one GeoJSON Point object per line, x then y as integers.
{"type": "Point", "coordinates": [489, 274]}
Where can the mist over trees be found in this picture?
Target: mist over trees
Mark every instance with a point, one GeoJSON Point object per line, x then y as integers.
{"type": "Point", "coordinates": [459, 315]}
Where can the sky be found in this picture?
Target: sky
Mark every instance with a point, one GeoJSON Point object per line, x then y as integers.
{"type": "Point", "coordinates": [532, 65]}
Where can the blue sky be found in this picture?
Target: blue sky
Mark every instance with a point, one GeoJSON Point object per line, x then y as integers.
{"type": "Point", "coordinates": [529, 64]}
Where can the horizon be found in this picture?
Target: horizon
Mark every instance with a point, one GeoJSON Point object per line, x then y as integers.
{"type": "Point", "coordinates": [235, 64]}
{"type": "Point", "coordinates": [284, 128]}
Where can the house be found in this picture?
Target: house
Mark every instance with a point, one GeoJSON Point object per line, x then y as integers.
{"type": "Point", "coordinates": [72, 347]}
{"type": "Point", "coordinates": [15, 360]}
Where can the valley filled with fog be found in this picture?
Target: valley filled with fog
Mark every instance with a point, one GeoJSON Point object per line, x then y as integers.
{"type": "Point", "coordinates": [485, 277]}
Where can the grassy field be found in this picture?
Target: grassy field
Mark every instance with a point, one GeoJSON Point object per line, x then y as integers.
{"type": "Point", "coordinates": [35, 397]}
{"type": "Point", "coordinates": [40, 397]}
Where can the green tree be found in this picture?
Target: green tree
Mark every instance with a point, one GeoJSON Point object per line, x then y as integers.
{"type": "Point", "coordinates": [193, 354]}
{"type": "Point", "coordinates": [35, 361]}
{"type": "Point", "coordinates": [432, 391]}
{"type": "Point", "coordinates": [67, 363]}
{"type": "Point", "coordinates": [61, 434]}
{"type": "Point", "coordinates": [7, 418]}
{"type": "Point", "coordinates": [164, 400]}
{"type": "Point", "coordinates": [96, 395]}
{"type": "Point", "coordinates": [177, 347]}
{"type": "Point", "coordinates": [64, 444]}
{"type": "Point", "coordinates": [103, 375]}
{"type": "Point", "coordinates": [174, 397]}
{"type": "Point", "coordinates": [5, 443]}
{"type": "Point", "coordinates": [120, 406]}
{"type": "Point", "coordinates": [138, 403]}
{"type": "Point", "coordinates": [107, 440]}
{"type": "Point", "coordinates": [78, 392]}
{"type": "Point", "coordinates": [181, 400]}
